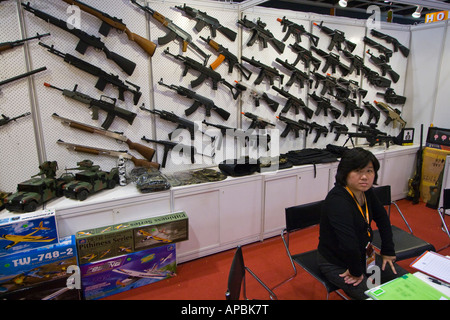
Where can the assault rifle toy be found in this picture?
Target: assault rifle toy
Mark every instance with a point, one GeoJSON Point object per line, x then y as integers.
{"type": "Point", "coordinates": [205, 72]}
{"type": "Point", "coordinates": [108, 106]}
{"type": "Point", "coordinates": [324, 104]}
{"type": "Point", "coordinates": [350, 106]}
{"type": "Point", "coordinates": [375, 79]}
{"type": "Point", "coordinates": [338, 129]}
{"type": "Point", "coordinates": [223, 130]}
{"type": "Point", "coordinates": [329, 83]}
{"type": "Point", "coordinates": [297, 30]}
{"type": "Point", "coordinates": [109, 22]}
{"type": "Point", "coordinates": [389, 39]}
{"type": "Point", "coordinates": [296, 75]}
{"type": "Point", "coordinates": [257, 95]}
{"type": "Point", "coordinates": [357, 62]}
{"type": "Point", "coordinates": [320, 130]}
{"type": "Point", "coordinates": [296, 103]}
{"type": "Point", "coordinates": [86, 40]}
{"type": "Point", "coordinates": [337, 38]}
{"type": "Point", "coordinates": [393, 115]}
{"type": "Point", "coordinates": [175, 32]}
{"type": "Point", "coordinates": [23, 75]}
{"type": "Point", "coordinates": [112, 153]}
{"type": "Point", "coordinates": [257, 122]}
{"type": "Point", "coordinates": [5, 120]}
{"type": "Point", "coordinates": [306, 56]}
{"type": "Point", "coordinates": [203, 19]}
{"type": "Point", "coordinates": [12, 44]}
{"type": "Point", "coordinates": [143, 150]}
{"type": "Point", "coordinates": [353, 87]}
{"type": "Point", "coordinates": [182, 123]}
{"type": "Point", "coordinates": [391, 97]}
{"type": "Point", "coordinates": [331, 60]}
{"type": "Point", "coordinates": [260, 32]}
{"type": "Point", "coordinates": [169, 145]}
{"type": "Point", "coordinates": [382, 49]}
{"type": "Point", "coordinates": [103, 77]}
{"type": "Point", "coordinates": [374, 113]}
{"type": "Point", "coordinates": [265, 71]}
{"type": "Point", "coordinates": [292, 125]}
{"type": "Point", "coordinates": [226, 55]}
{"type": "Point", "coordinates": [199, 100]}
{"type": "Point", "coordinates": [381, 63]}
{"type": "Point", "coordinates": [371, 128]}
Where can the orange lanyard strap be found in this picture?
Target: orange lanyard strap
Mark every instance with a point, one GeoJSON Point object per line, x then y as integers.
{"type": "Point", "coordinates": [365, 216]}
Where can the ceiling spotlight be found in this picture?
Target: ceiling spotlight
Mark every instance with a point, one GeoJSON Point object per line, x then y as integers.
{"type": "Point", "coordinates": [343, 3]}
{"type": "Point", "coordinates": [418, 12]}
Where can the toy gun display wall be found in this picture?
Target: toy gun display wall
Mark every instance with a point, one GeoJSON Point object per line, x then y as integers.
{"type": "Point", "coordinates": [226, 55]}
{"type": "Point", "coordinates": [199, 100]}
{"type": "Point", "coordinates": [103, 77]}
{"type": "Point", "coordinates": [5, 120]}
{"type": "Point", "coordinates": [337, 38]}
{"type": "Point", "coordinates": [175, 32]}
{"type": "Point", "coordinates": [203, 19]}
{"type": "Point", "coordinates": [265, 71]}
{"type": "Point", "coordinates": [100, 104]}
{"type": "Point", "coordinates": [21, 76]}
{"type": "Point", "coordinates": [260, 32]}
{"type": "Point", "coordinates": [297, 30]}
{"type": "Point", "coordinates": [257, 95]}
{"type": "Point", "coordinates": [12, 44]}
{"type": "Point", "coordinates": [86, 40]}
{"type": "Point", "coordinates": [112, 153]}
{"type": "Point", "coordinates": [109, 22]}
{"type": "Point", "coordinates": [145, 151]}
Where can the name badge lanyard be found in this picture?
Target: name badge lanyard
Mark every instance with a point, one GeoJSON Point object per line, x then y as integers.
{"type": "Point", "coordinates": [366, 215]}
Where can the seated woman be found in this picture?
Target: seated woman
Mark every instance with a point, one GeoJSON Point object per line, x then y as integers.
{"type": "Point", "coordinates": [345, 250]}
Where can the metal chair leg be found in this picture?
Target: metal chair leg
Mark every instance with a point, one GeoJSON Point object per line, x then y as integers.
{"type": "Point", "coordinates": [444, 226]}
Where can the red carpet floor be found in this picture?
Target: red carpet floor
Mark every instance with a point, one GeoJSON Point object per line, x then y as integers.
{"type": "Point", "coordinates": [206, 278]}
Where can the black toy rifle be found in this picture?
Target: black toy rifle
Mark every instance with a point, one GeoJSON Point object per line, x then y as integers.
{"type": "Point", "coordinates": [338, 129]}
{"type": "Point", "coordinates": [203, 19]}
{"type": "Point", "coordinates": [349, 105]}
{"type": "Point", "coordinates": [109, 107]}
{"type": "Point", "coordinates": [296, 103]}
{"type": "Point", "coordinates": [382, 49]}
{"type": "Point", "coordinates": [265, 71]}
{"type": "Point", "coordinates": [86, 40]}
{"type": "Point", "coordinates": [109, 22]}
{"type": "Point", "coordinates": [260, 32]}
{"type": "Point", "coordinates": [414, 182]}
{"type": "Point", "coordinates": [389, 39]}
{"type": "Point", "coordinates": [174, 32]}
{"type": "Point", "coordinates": [297, 30]}
{"type": "Point", "coordinates": [320, 130]}
{"type": "Point", "coordinates": [325, 105]}
{"type": "Point", "coordinates": [292, 125]}
{"type": "Point", "coordinates": [205, 73]}
{"type": "Point", "coordinates": [375, 79]}
{"type": "Point", "coordinates": [11, 44]}
{"type": "Point", "coordinates": [23, 75]}
{"type": "Point", "coordinates": [143, 150]}
{"type": "Point", "coordinates": [306, 56]}
{"type": "Point", "coordinates": [169, 145]}
{"type": "Point", "coordinates": [331, 60]}
{"type": "Point", "coordinates": [112, 153]}
{"type": "Point", "coordinates": [381, 63]}
{"type": "Point", "coordinates": [199, 100]}
{"type": "Point", "coordinates": [226, 55]}
{"type": "Point", "coordinates": [5, 120]}
{"type": "Point", "coordinates": [103, 77]}
{"type": "Point", "coordinates": [337, 38]}
{"type": "Point", "coordinates": [257, 122]}
{"type": "Point", "coordinates": [329, 83]}
{"type": "Point", "coordinates": [257, 95]}
{"type": "Point", "coordinates": [357, 62]}
{"type": "Point", "coordinates": [296, 75]}
{"type": "Point", "coordinates": [353, 87]}
{"type": "Point", "coordinates": [391, 97]}
{"type": "Point", "coordinates": [374, 113]}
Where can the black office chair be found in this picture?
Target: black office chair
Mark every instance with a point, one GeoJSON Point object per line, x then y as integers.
{"type": "Point", "coordinates": [236, 278]}
{"type": "Point", "coordinates": [298, 218]}
{"type": "Point", "coordinates": [441, 211]}
{"type": "Point", "coordinates": [407, 245]}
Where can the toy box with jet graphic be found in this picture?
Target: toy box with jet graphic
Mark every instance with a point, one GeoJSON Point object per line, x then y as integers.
{"type": "Point", "coordinates": [39, 273]}
{"type": "Point", "coordinates": [114, 240]}
{"type": "Point", "coordinates": [111, 276]}
{"type": "Point", "coordinates": [27, 231]}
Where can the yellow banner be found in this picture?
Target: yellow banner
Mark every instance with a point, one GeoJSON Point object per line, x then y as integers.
{"type": "Point", "coordinates": [436, 16]}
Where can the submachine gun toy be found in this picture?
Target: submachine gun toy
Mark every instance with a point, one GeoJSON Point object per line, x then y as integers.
{"type": "Point", "coordinates": [337, 38]}
{"type": "Point", "coordinates": [260, 32]}
{"type": "Point", "coordinates": [297, 30]}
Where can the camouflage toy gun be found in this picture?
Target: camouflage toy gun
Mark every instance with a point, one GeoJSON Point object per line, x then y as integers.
{"type": "Point", "coordinates": [393, 115]}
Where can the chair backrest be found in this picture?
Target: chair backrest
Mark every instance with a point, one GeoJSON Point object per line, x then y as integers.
{"type": "Point", "coordinates": [383, 193]}
{"type": "Point", "coordinates": [303, 216]}
{"type": "Point", "coordinates": [236, 275]}
{"type": "Point", "coordinates": [446, 200]}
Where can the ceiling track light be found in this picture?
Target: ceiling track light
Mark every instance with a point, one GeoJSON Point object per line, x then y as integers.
{"type": "Point", "coordinates": [343, 3]}
{"type": "Point", "coordinates": [418, 12]}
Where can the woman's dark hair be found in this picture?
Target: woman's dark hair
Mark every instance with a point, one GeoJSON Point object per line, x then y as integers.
{"type": "Point", "coordinates": [353, 159]}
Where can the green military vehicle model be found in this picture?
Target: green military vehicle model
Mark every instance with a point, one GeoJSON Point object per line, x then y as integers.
{"type": "Point", "coordinates": [38, 190]}
{"type": "Point", "coordinates": [90, 181]}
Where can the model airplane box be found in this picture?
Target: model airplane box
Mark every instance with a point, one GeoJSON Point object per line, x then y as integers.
{"type": "Point", "coordinates": [27, 231]}
{"type": "Point", "coordinates": [115, 240]}
{"type": "Point", "coordinates": [39, 273]}
{"type": "Point", "coordinates": [111, 276]}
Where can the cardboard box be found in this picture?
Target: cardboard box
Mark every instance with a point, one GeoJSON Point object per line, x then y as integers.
{"type": "Point", "coordinates": [111, 276]}
{"type": "Point", "coordinates": [39, 273]}
{"type": "Point", "coordinates": [115, 240]}
{"type": "Point", "coordinates": [21, 232]}
{"type": "Point", "coordinates": [432, 174]}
